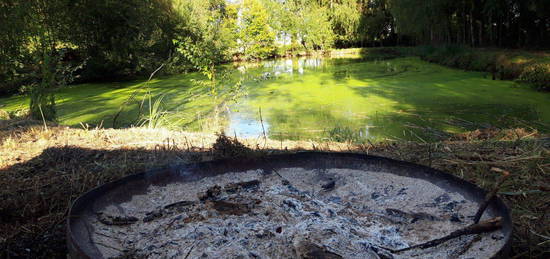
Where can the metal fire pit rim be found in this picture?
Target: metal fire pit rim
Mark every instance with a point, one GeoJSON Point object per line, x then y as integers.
{"type": "Point", "coordinates": [75, 250]}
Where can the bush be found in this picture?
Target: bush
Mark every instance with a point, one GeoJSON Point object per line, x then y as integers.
{"type": "Point", "coordinates": [537, 75]}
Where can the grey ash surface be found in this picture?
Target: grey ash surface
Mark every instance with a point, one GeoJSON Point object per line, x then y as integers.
{"type": "Point", "coordinates": [292, 213]}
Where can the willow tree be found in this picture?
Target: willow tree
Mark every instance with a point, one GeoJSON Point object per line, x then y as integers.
{"type": "Point", "coordinates": [345, 17]}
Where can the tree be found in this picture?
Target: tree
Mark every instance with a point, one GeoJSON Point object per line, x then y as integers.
{"type": "Point", "coordinates": [45, 28]}
{"type": "Point", "coordinates": [13, 38]}
{"type": "Point", "coordinates": [257, 38]}
{"type": "Point", "coordinates": [119, 39]}
{"type": "Point", "coordinates": [316, 29]}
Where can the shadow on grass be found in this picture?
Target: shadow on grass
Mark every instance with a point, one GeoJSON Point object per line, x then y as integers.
{"type": "Point", "coordinates": [37, 193]}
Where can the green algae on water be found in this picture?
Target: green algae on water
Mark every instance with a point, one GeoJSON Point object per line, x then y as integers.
{"type": "Point", "coordinates": [319, 99]}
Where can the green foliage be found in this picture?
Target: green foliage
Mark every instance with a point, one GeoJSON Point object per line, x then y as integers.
{"type": "Point", "coordinates": [344, 134]}
{"type": "Point", "coordinates": [42, 98]}
{"type": "Point", "coordinates": [106, 40]}
{"type": "Point", "coordinates": [255, 34]}
{"type": "Point", "coordinates": [537, 75]}
{"type": "Point", "coordinates": [337, 93]}
{"type": "Point", "coordinates": [12, 41]}
{"type": "Point", "coordinates": [205, 34]}
{"type": "Point", "coordinates": [156, 113]}
{"type": "Point", "coordinates": [533, 69]}
{"type": "Point", "coordinates": [316, 29]}
{"type": "Point", "coordinates": [121, 38]}
{"type": "Point", "coordinates": [345, 18]}
{"type": "Point", "coordinates": [510, 23]}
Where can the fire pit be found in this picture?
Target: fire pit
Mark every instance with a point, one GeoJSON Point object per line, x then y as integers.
{"type": "Point", "coordinates": [305, 205]}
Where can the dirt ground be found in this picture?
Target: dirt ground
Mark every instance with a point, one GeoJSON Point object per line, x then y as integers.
{"type": "Point", "coordinates": [44, 169]}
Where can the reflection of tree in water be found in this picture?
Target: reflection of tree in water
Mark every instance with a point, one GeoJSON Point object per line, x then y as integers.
{"type": "Point", "coordinates": [338, 100]}
{"type": "Point", "coordinates": [314, 122]}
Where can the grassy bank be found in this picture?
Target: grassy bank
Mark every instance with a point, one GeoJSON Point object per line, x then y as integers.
{"type": "Point", "coordinates": [44, 170]}
{"type": "Point", "coordinates": [530, 67]}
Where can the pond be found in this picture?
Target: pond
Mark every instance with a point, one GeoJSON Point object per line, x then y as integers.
{"type": "Point", "coordinates": [338, 99]}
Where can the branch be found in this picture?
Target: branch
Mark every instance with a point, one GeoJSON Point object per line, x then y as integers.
{"type": "Point", "coordinates": [478, 228]}
{"type": "Point", "coordinates": [491, 195]}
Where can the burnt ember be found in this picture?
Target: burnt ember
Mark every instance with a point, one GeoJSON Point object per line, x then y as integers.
{"type": "Point", "coordinates": [297, 213]}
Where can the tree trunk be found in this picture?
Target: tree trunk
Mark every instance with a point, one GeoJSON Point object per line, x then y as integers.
{"type": "Point", "coordinates": [480, 39]}
{"type": "Point", "coordinates": [491, 40]}
{"type": "Point", "coordinates": [472, 35]}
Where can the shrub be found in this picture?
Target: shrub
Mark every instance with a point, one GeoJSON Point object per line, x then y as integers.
{"type": "Point", "coordinates": [537, 75]}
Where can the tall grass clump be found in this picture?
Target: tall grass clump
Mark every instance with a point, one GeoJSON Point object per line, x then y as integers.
{"type": "Point", "coordinates": [156, 114]}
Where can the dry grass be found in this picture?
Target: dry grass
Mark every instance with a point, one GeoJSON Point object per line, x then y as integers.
{"type": "Point", "coordinates": [43, 171]}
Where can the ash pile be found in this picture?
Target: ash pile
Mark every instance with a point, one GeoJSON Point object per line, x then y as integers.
{"type": "Point", "coordinates": [296, 213]}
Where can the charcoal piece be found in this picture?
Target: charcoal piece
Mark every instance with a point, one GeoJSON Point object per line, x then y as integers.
{"type": "Point", "coordinates": [179, 204]}
{"type": "Point", "coordinates": [442, 198]}
{"type": "Point", "coordinates": [150, 216]}
{"type": "Point", "coordinates": [450, 206]}
{"type": "Point", "coordinates": [403, 191]}
{"type": "Point", "coordinates": [265, 234]}
{"type": "Point", "coordinates": [230, 208]}
{"type": "Point", "coordinates": [428, 205]}
{"type": "Point", "coordinates": [290, 204]}
{"type": "Point", "coordinates": [374, 195]}
{"type": "Point", "coordinates": [497, 236]}
{"type": "Point", "coordinates": [316, 214]}
{"type": "Point", "coordinates": [382, 253]}
{"type": "Point", "coordinates": [116, 220]}
{"type": "Point", "coordinates": [235, 187]}
{"type": "Point", "coordinates": [211, 193]}
{"type": "Point", "coordinates": [308, 250]}
{"type": "Point", "coordinates": [329, 186]}
{"type": "Point", "coordinates": [456, 217]}
{"type": "Point", "coordinates": [293, 189]}
{"type": "Point", "coordinates": [399, 216]}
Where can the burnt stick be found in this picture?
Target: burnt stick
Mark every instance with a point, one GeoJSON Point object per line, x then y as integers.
{"type": "Point", "coordinates": [491, 195]}
{"type": "Point", "coordinates": [478, 228]}
{"type": "Point", "coordinates": [467, 246]}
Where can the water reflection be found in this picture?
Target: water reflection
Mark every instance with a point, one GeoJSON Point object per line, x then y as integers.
{"type": "Point", "coordinates": [352, 100]}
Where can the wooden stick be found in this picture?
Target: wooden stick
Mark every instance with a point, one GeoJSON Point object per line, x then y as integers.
{"type": "Point", "coordinates": [190, 249]}
{"type": "Point", "coordinates": [467, 246]}
{"type": "Point", "coordinates": [482, 227]}
{"type": "Point", "coordinates": [491, 195]}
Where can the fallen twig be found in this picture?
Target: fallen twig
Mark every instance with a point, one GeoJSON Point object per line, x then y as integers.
{"type": "Point", "coordinates": [478, 228]}
{"type": "Point", "coordinates": [491, 195]}
{"type": "Point", "coordinates": [467, 246]}
{"type": "Point", "coordinates": [190, 250]}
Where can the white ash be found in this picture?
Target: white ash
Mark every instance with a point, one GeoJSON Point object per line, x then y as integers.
{"type": "Point", "coordinates": [340, 213]}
